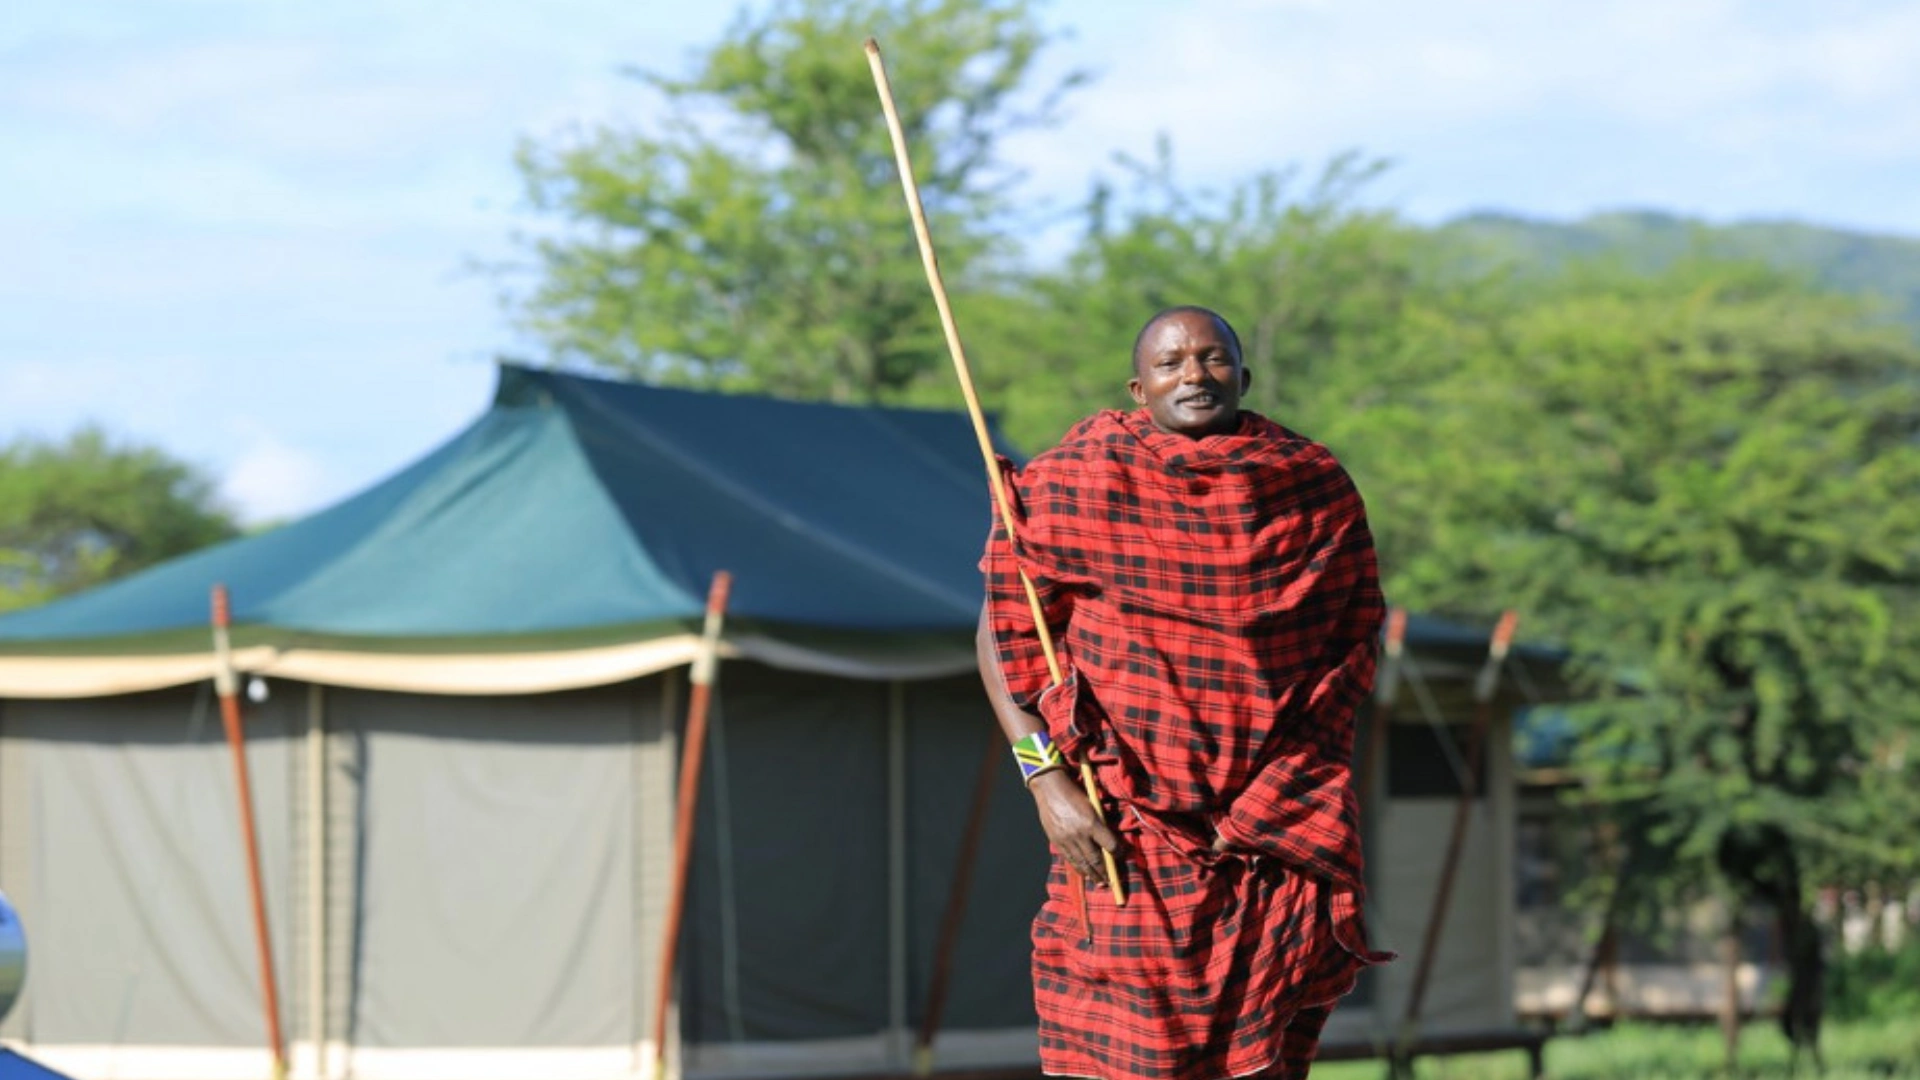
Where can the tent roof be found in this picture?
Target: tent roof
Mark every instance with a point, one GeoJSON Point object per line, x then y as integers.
{"type": "Point", "coordinates": [581, 513]}
{"type": "Point", "coordinates": [567, 537]}
{"type": "Point", "coordinates": [576, 503]}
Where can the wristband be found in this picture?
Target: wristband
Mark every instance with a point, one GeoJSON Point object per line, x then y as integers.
{"type": "Point", "coordinates": [1036, 754]}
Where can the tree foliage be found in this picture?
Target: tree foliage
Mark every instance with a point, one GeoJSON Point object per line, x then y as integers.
{"type": "Point", "coordinates": [79, 512]}
{"type": "Point", "coordinates": [754, 236]}
{"type": "Point", "coordinates": [1703, 483]}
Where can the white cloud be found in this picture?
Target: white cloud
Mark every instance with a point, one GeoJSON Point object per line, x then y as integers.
{"type": "Point", "coordinates": [1711, 105]}
{"type": "Point", "coordinates": [271, 480]}
{"type": "Point", "coordinates": [1873, 62]}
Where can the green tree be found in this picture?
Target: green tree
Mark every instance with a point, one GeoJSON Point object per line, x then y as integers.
{"type": "Point", "coordinates": [755, 237]}
{"type": "Point", "coordinates": [1707, 484]}
{"type": "Point", "coordinates": [1344, 311]}
{"type": "Point", "coordinates": [78, 512]}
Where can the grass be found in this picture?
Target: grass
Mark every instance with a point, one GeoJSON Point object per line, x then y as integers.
{"type": "Point", "coordinates": [1855, 1050]}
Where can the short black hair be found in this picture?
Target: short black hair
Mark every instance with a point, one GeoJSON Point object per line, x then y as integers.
{"type": "Point", "coordinates": [1187, 309]}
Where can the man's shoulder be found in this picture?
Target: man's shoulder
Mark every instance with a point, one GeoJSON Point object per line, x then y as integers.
{"type": "Point", "coordinates": [1292, 446]}
{"type": "Point", "coordinates": [1092, 438]}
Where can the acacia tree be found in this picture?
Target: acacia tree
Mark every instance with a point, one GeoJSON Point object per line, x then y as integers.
{"type": "Point", "coordinates": [1705, 484]}
{"type": "Point", "coordinates": [79, 512]}
{"type": "Point", "coordinates": [754, 236]}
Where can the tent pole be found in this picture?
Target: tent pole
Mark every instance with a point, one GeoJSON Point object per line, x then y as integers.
{"type": "Point", "coordinates": [955, 914]}
{"type": "Point", "coordinates": [897, 870]}
{"type": "Point", "coordinates": [1379, 712]}
{"type": "Point", "coordinates": [1484, 688]}
{"type": "Point", "coordinates": [227, 684]}
{"type": "Point", "coordinates": [317, 876]}
{"type": "Point", "coordinates": [695, 739]}
{"type": "Point", "coordinates": [1368, 786]}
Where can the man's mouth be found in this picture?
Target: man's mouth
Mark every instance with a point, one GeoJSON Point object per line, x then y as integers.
{"type": "Point", "coordinates": [1200, 400]}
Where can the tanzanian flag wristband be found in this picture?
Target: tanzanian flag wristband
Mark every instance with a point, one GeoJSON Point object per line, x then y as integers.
{"type": "Point", "coordinates": [1036, 754]}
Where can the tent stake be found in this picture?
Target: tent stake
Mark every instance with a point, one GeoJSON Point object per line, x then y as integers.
{"type": "Point", "coordinates": [960, 368]}
{"type": "Point", "coordinates": [227, 684]}
{"type": "Point", "coordinates": [694, 741]}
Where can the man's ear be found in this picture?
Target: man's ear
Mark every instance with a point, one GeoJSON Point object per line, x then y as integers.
{"type": "Point", "coordinates": [1133, 387]}
{"type": "Point", "coordinates": [1246, 379]}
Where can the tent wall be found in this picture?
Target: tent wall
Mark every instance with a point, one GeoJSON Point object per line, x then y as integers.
{"type": "Point", "coordinates": [1415, 792]}
{"type": "Point", "coordinates": [120, 845]}
{"type": "Point", "coordinates": [800, 956]}
{"type": "Point", "coordinates": [496, 868]}
{"type": "Point", "coordinates": [491, 896]}
{"type": "Point", "coordinates": [788, 918]}
{"type": "Point", "coordinates": [950, 728]}
{"type": "Point", "coordinates": [473, 887]}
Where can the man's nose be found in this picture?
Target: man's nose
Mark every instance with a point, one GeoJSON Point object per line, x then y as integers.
{"type": "Point", "coordinates": [1193, 371]}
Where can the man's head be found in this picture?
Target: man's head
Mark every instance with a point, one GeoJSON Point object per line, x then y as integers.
{"type": "Point", "coordinates": [1187, 372]}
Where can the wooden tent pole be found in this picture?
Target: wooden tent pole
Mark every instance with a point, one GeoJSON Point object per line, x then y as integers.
{"type": "Point", "coordinates": [227, 684]}
{"type": "Point", "coordinates": [954, 349]}
{"type": "Point", "coordinates": [955, 914]}
{"type": "Point", "coordinates": [1379, 711]}
{"type": "Point", "coordinates": [693, 747]}
{"type": "Point", "coordinates": [1484, 688]}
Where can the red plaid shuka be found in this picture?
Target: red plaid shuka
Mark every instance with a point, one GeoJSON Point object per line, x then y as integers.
{"type": "Point", "coordinates": [1216, 606]}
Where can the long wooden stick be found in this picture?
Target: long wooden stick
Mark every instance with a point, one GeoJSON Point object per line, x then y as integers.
{"type": "Point", "coordinates": [693, 749]}
{"type": "Point", "coordinates": [227, 683]}
{"type": "Point", "coordinates": [925, 239]}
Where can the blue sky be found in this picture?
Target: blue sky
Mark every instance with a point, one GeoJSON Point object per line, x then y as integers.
{"type": "Point", "coordinates": [246, 230]}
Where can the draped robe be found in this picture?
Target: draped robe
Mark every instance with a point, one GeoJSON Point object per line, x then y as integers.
{"type": "Point", "coordinates": [1216, 607]}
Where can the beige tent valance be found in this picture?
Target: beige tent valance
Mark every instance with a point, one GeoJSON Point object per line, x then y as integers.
{"type": "Point", "coordinates": [473, 673]}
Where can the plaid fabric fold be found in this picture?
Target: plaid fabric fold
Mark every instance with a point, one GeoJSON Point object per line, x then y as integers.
{"type": "Point", "coordinates": [1216, 608]}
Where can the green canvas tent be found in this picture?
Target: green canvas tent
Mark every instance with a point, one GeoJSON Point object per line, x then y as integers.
{"type": "Point", "coordinates": [465, 767]}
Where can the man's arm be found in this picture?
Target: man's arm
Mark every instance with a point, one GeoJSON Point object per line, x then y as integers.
{"type": "Point", "coordinates": [1066, 815]}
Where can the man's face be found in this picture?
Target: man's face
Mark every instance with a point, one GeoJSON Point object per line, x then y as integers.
{"type": "Point", "coordinates": [1188, 375]}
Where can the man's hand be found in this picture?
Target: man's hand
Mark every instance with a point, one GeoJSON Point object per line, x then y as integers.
{"type": "Point", "coordinates": [1071, 824]}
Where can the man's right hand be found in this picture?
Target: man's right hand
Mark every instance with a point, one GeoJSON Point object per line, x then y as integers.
{"type": "Point", "coordinates": [1070, 823]}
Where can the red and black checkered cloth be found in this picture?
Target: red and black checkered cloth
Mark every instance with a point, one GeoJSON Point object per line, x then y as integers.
{"type": "Point", "coordinates": [1217, 608]}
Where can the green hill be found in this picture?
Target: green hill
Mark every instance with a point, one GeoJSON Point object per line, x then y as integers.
{"type": "Point", "coordinates": [1865, 263]}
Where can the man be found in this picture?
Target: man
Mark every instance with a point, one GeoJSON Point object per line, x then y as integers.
{"type": "Point", "coordinates": [1209, 580]}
